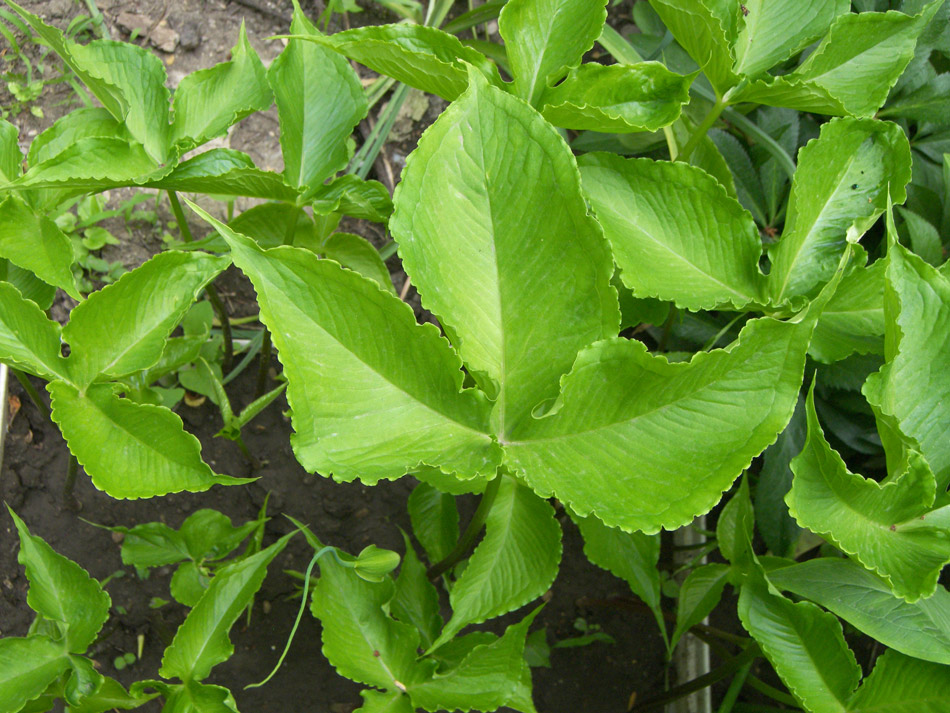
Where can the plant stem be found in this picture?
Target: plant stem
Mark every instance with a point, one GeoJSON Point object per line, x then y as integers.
{"type": "Point", "coordinates": [263, 365]}
{"type": "Point", "coordinates": [701, 130]}
{"type": "Point", "coordinates": [97, 20]}
{"type": "Point", "coordinates": [729, 700]}
{"type": "Point", "coordinates": [32, 393]}
{"type": "Point", "coordinates": [471, 532]}
{"type": "Point", "coordinates": [183, 228]}
{"type": "Point", "coordinates": [771, 692]}
{"type": "Point", "coordinates": [222, 313]}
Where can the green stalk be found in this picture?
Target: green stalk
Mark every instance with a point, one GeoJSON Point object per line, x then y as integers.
{"type": "Point", "coordinates": [222, 314]}
{"type": "Point", "coordinates": [32, 393]}
{"type": "Point", "coordinates": [263, 365]}
{"type": "Point", "coordinates": [729, 700]}
{"type": "Point", "coordinates": [771, 692]}
{"type": "Point", "coordinates": [701, 130]}
{"type": "Point", "coordinates": [183, 228]}
{"type": "Point", "coordinates": [362, 162]}
{"type": "Point", "coordinates": [471, 532]}
{"type": "Point", "coordinates": [98, 20]}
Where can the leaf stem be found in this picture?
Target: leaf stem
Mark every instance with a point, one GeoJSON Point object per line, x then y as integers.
{"type": "Point", "coordinates": [701, 130]}
{"type": "Point", "coordinates": [263, 364]}
{"type": "Point", "coordinates": [32, 393]}
{"type": "Point", "coordinates": [225, 323]}
{"type": "Point", "coordinates": [738, 681]}
{"type": "Point", "coordinates": [183, 228]}
{"type": "Point", "coordinates": [471, 532]}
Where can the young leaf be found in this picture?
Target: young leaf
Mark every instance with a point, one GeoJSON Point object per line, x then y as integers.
{"type": "Point", "coordinates": [111, 696]}
{"type": "Point", "coordinates": [83, 681]}
{"type": "Point", "coordinates": [632, 556]}
{"type": "Point", "coordinates": [544, 38]}
{"type": "Point", "coordinates": [643, 443]}
{"type": "Point", "coordinates": [777, 527]}
{"type": "Point", "coordinates": [61, 590]}
{"type": "Point", "coordinates": [422, 57]}
{"type": "Point", "coordinates": [390, 702]}
{"type": "Point", "coordinates": [82, 123]}
{"type": "Point", "coordinates": [839, 191]}
{"type": "Point", "coordinates": [209, 101]}
{"type": "Point", "coordinates": [485, 679]}
{"type": "Point", "coordinates": [804, 644]}
{"type": "Point", "coordinates": [319, 101]}
{"type": "Point", "coordinates": [202, 641]}
{"type": "Point", "coordinates": [151, 544]}
{"type": "Point", "coordinates": [675, 233]}
{"type": "Point", "coordinates": [147, 451]}
{"type": "Point", "coordinates": [853, 321]}
{"type": "Point", "coordinates": [698, 596]}
{"type": "Point", "coordinates": [930, 102]}
{"type": "Point", "coordinates": [225, 172]}
{"type": "Point", "coordinates": [515, 563]}
{"type": "Point", "coordinates": [864, 600]}
{"type": "Point", "coordinates": [11, 160]}
{"type": "Point", "coordinates": [361, 641]}
{"type": "Point", "coordinates": [435, 520]}
{"type": "Point", "coordinates": [27, 667]}
{"type": "Point", "coordinates": [864, 518]}
{"type": "Point", "coordinates": [34, 243]}
{"type": "Point", "coordinates": [900, 684]}
{"type": "Point", "coordinates": [358, 254]}
{"type": "Point", "coordinates": [351, 195]}
{"type": "Point", "coordinates": [415, 600]}
{"type": "Point", "coordinates": [734, 528]}
{"type": "Point", "coordinates": [916, 307]}
{"type": "Point", "coordinates": [122, 328]}
{"type": "Point", "coordinates": [209, 534]}
{"type": "Point", "coordinates": [924, 237]}
{"type": "Point", "coordinates": [28, 338]}
{"type": "Point", "coordinates": [486, 278]}
{"type": "Point", "coordinates": [373, 394]}
{"type": "Point", "coordinates": [617, 98]}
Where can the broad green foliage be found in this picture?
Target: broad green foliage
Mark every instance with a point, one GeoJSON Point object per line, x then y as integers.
{"type": "Point", "coordinates": [899, 684]}
{"type": "Point", "coordinates": [853, 321]}
{"type": "Point", "coordinates": [772, 520]}
{"type": "Point", "coordinates": [28, 339]}
{"type": "Point", "coordinates": [698, 596]}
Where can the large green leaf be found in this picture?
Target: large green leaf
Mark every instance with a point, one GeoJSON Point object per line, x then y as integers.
{"type": "Point", "coordinates": [707, 30]}
{"type": "Point", "coordinates": [130, 450]}
{"type": "Point", "coordinates": [422, 57]}
{"type": "Point", "coordinates": [122, 328]}
{"type": "Point", "coordinates": [415, 599]}
{"type": "Point", "coordinates": [34, 243]}
{"type": "Point", "coordinates": [435, 520]}
{"type": "Point", "coordinates": [771, 31]}
{"type": "Point", "coordinates": [853, 321]}
{"type": "Point", "coordinates": [864, 518]}
{"type": "Point", "coordinates": [61, 590]}
{"type": "Point", "coordinates": [864, 600]}
{"type": "Point", "coordinates": [225, 172]}
{"type": "Point", "coordinates": [839, 190]}
{"type": "Point", "coordinates": [28, 338]}
{"type": "Point", "coordinates": [675, 232]}
{"type": "Point", "coordinates": [805, 645]}
{"type": "Point", "coordinates": [373, 393]}
{"type": "Point", "coordinates": [509, 260]}
{"type": "Point", "coordinates": [484, 680]}
{"type": "Point", "coordinates": [698, 596]}
{"type": "Point", "coordinates": [632, 556]}
{"type": "Point", "coordinates": [516, 561]}
{"type": "Point", "coordinates": [361, 641]}
{"type": "Point", "coordinates": [27, 667]}
{"type": "Point", "coordinates": [202, 641]}
{"type": "Point", "coordinates": [544, 38]}
{"type": "Point", "coordinates": [209, 101]}
{"type": "Point", "coordinates": [617, 98]}
{"type": "Point", "coordinates": [900, 684]}
{"type": "Point", "coordinates": [644, 443]}
{"type": "Point", "coordinates": [319, 101]}
{"type": "Point", "coordinates": [917, 311]}
{"type": "Point", "coordinates": [852, 70]}
{"type": "Point", "coordinates": [82, 123]}
{"type": "Point", "coordinates": [11, 160]}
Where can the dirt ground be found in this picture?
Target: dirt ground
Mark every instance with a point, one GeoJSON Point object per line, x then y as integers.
{"type": "Point", "coordinates": [596, 678]}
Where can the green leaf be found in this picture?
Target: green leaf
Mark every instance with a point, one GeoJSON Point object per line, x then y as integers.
{"type": "Point", "coordinates": [11, 160]}
{"type": "Point", "coordinates": [29, 285]}
{"type": "Point", "coordinates": [675, 233]}
{"type": "Point", "coordinates": [61, 590]}
{"type": "Point", "coordinates": [515, 563]}
{"type": "Point", "coordinates": [148, 441]}
{"type": "Point", "coordinates": [34, 243]}
{"type": "Point", "coordinates": [852, 70]}
{"type": "Point", "coordinates": [899, 684]}
{"type": "Point", "coordinates": [151, 544]}
{"type": "Point", "coordinates": [643, 443]}
{"type": "Point", "coordinates": [485, 679]}
{"type": "Point", "coordinates": [707, 30]}
{"type": "Point", "coordinates": [415, 600]}
{"type": "Point", "coordinates": [745, 178]}
{"type": "Point", "coordinates": [110, 696]}
{"type": "Point", "coordinates": [319, 101]}
{"type": "Point", "coordinates": [225, 172]}
{"type": "Point", "coordinates": [27, 667]}
{"type": "Point", "coordinates": [435, 520]}
{"type": "Point", "coordinates": [358, 254]}
{"type": "Point", "coordinates": [359, 639]}
{"type": "Point", "coordinates": [202, 641]}
{"type": "Point", "coordinates": [82, 123]}
{"type": "Point", "coordinates": [777, 527]}
{"type": "Point", "coordinates": [370, 402]}
{"type": "Point", "coordinates": [930, 102]}
{"type": "Point", "coordinates": [188, 584]}
{"type": "Point", "coordinates": [771, 32]}
{"type": "Point", "coordinates": [632, 556]}
{"type": "Point", "coordinates": [122, 328]}
{"type": "Point", "coordinates": [486, 245]}
{"type": "Point", "coordinates": [209, 534]}
{"type": "Point", "coordinates": [698, 596]}
{"type": "Point", "coordinates": [734, 528]}
{"type": "Point", "coordinates": [545, 38]}
{"type": "Point", "coordinates": [924, 238]}
{"type": "Point", "coordinates": [422, 57]}
{"type": "Point", "coordinates": [840, 189]}
{"type": "Point", "coordinates": [28, 338]}
{"type": "Point", "coordinates": [617, 98]}
{"type": "Point", "coordinates": [916, 308]}
{"type": "Point", "coordinates": [83, 681]}
{"type": "Point", "coordinates": [853, 321]}
{"type": "Point", "coordinates": [351, 195]}
{"type": "Point", "coordinates": [805, 645]}
{"type": "Point", "coordinates": [194, 697]}
{"type": "Point", "coordinates": [864, 518]}
{"type": "Point", "coordinates": [209, 101]}
{"type": "Point", "coordinates": [864, 600]}
{"type": "Point", "coordinates": [391, 702]}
